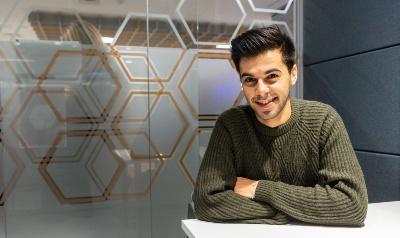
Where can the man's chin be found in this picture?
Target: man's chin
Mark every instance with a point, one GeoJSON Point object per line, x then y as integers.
{"type": "Point", "coordinates": [266, 115]}
{"type": "Point", "coordinates": [265, 112]}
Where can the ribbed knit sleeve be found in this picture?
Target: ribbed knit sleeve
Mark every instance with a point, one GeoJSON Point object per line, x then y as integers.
{"type": "Point", "coordinates": [214, 198]}
{"type": "Point", "coordinates": [339, 197]}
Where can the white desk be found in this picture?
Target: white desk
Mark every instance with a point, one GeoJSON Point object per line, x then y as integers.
{"type": "Point", "coordinates": [383, 220]}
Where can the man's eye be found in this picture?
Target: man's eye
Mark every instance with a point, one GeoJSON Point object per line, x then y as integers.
{"type": "Point", "coordinates": [249, 80]}
{"type": "Point", "coordinates": [272, 76]}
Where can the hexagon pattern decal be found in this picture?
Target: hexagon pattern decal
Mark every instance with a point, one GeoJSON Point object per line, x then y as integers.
{"type": "Point", "coordinates": [101, 105]}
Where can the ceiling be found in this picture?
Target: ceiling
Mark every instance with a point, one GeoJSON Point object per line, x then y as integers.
{"type": "Point", "coordinates": [24, 18]}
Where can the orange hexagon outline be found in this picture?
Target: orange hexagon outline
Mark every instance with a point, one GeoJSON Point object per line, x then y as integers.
{"type": "Point", "coordinates": [175, 67]}
{"type": "Point", "coordinates": [91, 92]}
{"type": "Point", "coordinates": [42, 76]}
{"type": "Point", "coordinates": [63, 53]}
{"type": "Point", "coordinates": [83, 199]}
{"type": "Point", "coordinates": [91, 170]}
{"type": "Point", "coordinates": [4, 195]}
{"type": "Point", "coordinates": [81, 103]}
{"type": "Point", "coordinates": [120, 136]}
{"type": "Point", "coordinates": [185, 171]}
{"type": "Point", "coordinates": [148, 188]}
{"type": "Point", "coordinates": [185, 124]}
{"type": "Point", "coordinates": [118, 118]}
{"type": "Point", "coordinates": [182, 131]}
{"type": "Point", "coordinates": [104, 112]}
{"type": "Point", "coordinates": [31, 154]}
{"type": "Point", "coordinates": [149, 63]}
{"type": "Point", "coordinates": [14, 92]}
{"type": "Point", "coordinates": [19, 54]}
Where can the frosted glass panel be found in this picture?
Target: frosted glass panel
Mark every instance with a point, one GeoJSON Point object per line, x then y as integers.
{"type": "Point", "coordinates": [72, 165]}
{"type": "Point", "coordinates": [106, 109]}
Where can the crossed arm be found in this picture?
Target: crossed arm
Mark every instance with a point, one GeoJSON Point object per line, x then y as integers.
{"type": "Point", "coordinates": [338, 199]}
{"type": "Point", "coordinates": [219, 194]}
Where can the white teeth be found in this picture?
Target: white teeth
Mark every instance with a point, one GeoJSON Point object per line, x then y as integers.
{"type": "Point", "coordinates": [263, 101]}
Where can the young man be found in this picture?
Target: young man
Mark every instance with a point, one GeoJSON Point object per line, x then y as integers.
{"type": "Point", "coordinates": [278, 159]}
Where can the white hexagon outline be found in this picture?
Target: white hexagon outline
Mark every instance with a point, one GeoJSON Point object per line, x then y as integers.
{"type": "Point", "coordinates": [257, 9]}
{"type": "Point", "coordinates": [150, 15]}
{"type": "Point", "coordinates": [147, 61]}
{"type": "Point", "coordinates": [178, 11]}
{"type": "Point", "coordinates": [271, 23]}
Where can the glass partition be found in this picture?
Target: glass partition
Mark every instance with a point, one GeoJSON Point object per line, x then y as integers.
{"type": "Point", "coordinates": [107, 107]}
{"type": "Point", "coordinates": [75, 141]}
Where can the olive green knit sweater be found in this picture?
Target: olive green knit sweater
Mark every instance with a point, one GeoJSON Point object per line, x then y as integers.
{"type": "Point", "coordinates": [307, 169]}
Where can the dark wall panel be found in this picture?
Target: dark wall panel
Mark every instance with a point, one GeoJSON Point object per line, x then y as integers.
{"type": "Point", "coordinates": [382, 176]}
{"type": "Point", "coordinates": [352, 62]}
{"type": "Point", "coordinates": [365, 89]}
{"type": "Point", "coordinates": [336, 28]}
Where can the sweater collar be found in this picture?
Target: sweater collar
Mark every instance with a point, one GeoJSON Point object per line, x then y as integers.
{"type": "Point", "coordinates": [282, 129]}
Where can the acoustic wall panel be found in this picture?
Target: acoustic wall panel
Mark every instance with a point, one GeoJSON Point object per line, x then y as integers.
{"type": "Point", "coordinates": [382, 176]}
{"type": "Point", "coordinates": [338, 28]}
{"type": "Point", "coordinates": [2, 222]}
{"type": "Point", "coordinates": [365, 89]}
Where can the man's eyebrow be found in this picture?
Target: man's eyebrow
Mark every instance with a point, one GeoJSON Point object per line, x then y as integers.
{"type": "Point", "coordinates": [245, 74]}
{"type": "Point", "coordinates": [266, 72]}
{"type": "Point", "coordinates": [272, 70]}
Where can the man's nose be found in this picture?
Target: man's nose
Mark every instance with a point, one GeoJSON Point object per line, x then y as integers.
{"type": "Point", "coordinates": [262, 87]}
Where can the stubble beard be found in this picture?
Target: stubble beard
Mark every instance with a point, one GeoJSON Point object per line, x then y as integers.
{"type": "Point", "coordinates": [268, 115]}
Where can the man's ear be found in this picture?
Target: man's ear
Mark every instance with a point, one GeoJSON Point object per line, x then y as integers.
{"type": "Point", "coordinates": [293, 75]}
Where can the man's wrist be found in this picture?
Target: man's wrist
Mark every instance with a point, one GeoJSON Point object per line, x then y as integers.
{"type": "Point", "coordinates": [254, 188]}
{"type": "Point", "coordinates": [264, 191]}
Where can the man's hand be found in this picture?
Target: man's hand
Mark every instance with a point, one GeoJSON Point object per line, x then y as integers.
{"type": "Point", "coordinates": [245, 187]}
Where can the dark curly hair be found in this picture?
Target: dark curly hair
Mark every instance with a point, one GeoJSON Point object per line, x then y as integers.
{"type": "Point", "coordinates": [256, 41]}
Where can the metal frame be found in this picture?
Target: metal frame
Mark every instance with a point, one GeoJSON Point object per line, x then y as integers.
{"type": "Point", "coordinates": [298, 30]}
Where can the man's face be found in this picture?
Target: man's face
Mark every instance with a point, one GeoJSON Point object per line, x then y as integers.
{"type": "Point", "coordinates": [266, 85]}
